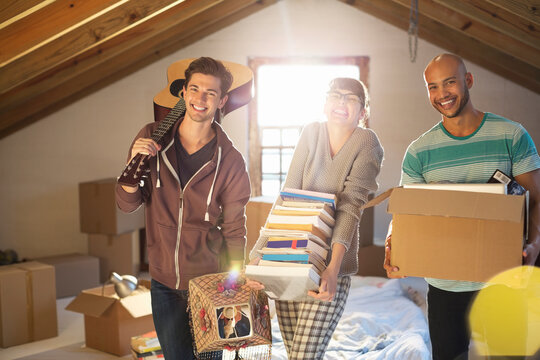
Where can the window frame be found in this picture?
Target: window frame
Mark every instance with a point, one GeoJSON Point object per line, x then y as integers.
{"type": "Point", "coordinates": [254, 133]}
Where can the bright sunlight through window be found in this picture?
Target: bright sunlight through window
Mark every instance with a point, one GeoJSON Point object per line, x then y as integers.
{"type": "Point", "coordinates": [288, 97]}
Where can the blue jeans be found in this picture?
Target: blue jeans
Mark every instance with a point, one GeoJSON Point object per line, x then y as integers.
{"type": "Point", "coordinates": [171, 320]}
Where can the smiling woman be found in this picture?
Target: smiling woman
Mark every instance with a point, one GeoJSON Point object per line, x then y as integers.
{"type": "Point", "coordinates": [289, 94]}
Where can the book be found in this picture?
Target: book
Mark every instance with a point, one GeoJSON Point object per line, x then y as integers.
{"type": "Point", "coordinates": [285, 283]}
{"type": "Point", "coordinates": [150, 355]}
{"type": "Point", "coordinates": [309, 205]}
{"type": "Point", "coordinates": [313, 224]}
{"type": "Point", "coordinates": [296, 244]}
{"type": "Point", "coordinates": [281, 234]}
{"type": "Point", "coordinates": [297, 258]}
{"type": "Point", "coordinates": [318, 268]}
{"type": "Point", "coordinates": [308, 195]}
{"type": "Point", "coordinates": [494, 188]}
{"type": "Point", "coordinates": [146, 342]}
{"type": "Point", "coordinates": [299, 211]}
{"type": "Point", "coordinates": [512, 186]}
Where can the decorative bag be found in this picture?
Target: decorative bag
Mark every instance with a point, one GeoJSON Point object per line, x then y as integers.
{"type": "Point", "coordinates": [226, 314]}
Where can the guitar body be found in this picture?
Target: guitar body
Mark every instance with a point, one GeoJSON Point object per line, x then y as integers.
{"type": "Point", "coordinates": [169, 106]}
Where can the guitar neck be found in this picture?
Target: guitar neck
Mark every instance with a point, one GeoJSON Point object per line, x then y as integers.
{"type": "Point", "coordinates": [176, 112]}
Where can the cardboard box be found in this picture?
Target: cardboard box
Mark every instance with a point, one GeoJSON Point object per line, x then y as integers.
{"type": "Point", "coordinates": [110, 322]}
{"type": "Point", "coordinates": [366, 226]}
{"type": "Point", "coordinates": [371, 260]}
{"type": "Point", "coordinates": [27, 303]}
{"type": "Point", "coordinates": [85, 267]}
{"type": "Point", "coordinates": [13, 305]}
{"type": "Point", "coordinates": [118, 253]}
{"type": "Point", "coordinates": [99, 213]}
{"type": "Point", "coordinates": [455, 235]}
{"type": "Point", "coordinates": [257, 210]}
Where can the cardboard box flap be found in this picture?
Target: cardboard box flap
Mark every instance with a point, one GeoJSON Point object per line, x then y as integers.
{"type": "Point", "coordinates": [33, 265]}
{"type": "Point", "coordinates": [378, 199]}
{"type": "Point", "coordinates": [457, 204]}
{"type": "Point", "coordinates": [91, 304]}
{"type": "Point", "coordinates": [139, 305]}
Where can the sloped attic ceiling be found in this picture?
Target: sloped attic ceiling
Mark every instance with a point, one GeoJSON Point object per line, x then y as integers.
{"type": "Point", "coordinates": [502, 36]}
{"type": "Point", "coordinates": [53, 52]}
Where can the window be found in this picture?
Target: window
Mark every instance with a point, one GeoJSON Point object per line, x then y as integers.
{"type": "Point", "coordinates": [289, 93]}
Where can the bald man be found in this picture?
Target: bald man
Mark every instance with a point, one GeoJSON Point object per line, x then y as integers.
{"type": "Point", "coordinates": [466, 146]}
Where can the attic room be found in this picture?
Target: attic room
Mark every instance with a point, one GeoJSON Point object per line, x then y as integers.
{"type": "Point", "coordinates": [78, 78]}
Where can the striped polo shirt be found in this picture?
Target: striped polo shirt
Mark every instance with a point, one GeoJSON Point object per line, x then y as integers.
{"type": "Point", "coordinates": [438, 156]}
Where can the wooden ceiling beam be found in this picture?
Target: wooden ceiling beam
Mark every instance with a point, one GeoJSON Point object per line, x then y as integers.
{"type": "Point", "coordinates": [46, 23]}
{"type": "Point", "coordinates": [453, 41]}
{"type": "Point", "coordinates": [497, 18]}
{"type": "Point", "coordinates": [477, 30]}
{"type": "Point", "coordinates": [84, 82]}
{"type": "Point", "coordinates": [527, 9]}
{"type": "Point", "coordinates": [79, 39]}
{"type": "Point", "coordinates": [11, 9]}
{"type": "Point", "coordinates": [155, 28]}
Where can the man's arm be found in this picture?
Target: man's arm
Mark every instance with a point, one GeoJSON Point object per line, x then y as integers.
{"type": "Point", "coordinates": [531, 182]}
{"type": "Point", "coordinates": [130, 198]}
{"type": "Point", "coordinates": [390, 269]}
{"type": "Point", "coordinates": [144, 146]}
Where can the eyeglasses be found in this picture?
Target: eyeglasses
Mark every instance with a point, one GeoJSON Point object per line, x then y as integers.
{"type": "Point", "coordinates": [335, 96]}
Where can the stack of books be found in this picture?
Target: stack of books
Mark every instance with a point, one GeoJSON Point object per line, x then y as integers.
{"type": "Point", "coordinates": [146, 347]}
{"type": "Point", "coordinates": [295, 238]}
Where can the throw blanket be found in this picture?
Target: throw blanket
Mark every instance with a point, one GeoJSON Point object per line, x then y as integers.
{"type": "Point", "coordinates": [379, 322]}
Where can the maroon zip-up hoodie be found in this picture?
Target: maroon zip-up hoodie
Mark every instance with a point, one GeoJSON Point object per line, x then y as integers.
{"type": "Point", "coordinates": [188, 231]}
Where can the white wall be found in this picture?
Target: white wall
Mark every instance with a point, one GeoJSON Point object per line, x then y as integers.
{"type": "Point", "coordinates": [88, 140]}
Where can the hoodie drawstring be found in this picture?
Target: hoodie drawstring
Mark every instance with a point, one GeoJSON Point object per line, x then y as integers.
{"type": "Point", "coordinates": [158, 182]}
{"type": "Point", "coordinates": [206, 215]}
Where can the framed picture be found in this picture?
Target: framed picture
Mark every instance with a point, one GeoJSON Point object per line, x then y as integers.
{"type": "Point", "coordinates": [234, 321]}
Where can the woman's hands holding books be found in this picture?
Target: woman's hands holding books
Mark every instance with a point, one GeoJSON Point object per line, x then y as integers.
{"type": "Point", "coordinates": [328, 286]}
{"type": "Point", "coordinates": [254, 285]}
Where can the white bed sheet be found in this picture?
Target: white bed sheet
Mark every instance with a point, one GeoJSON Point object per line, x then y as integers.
{"type": "Point", "coordinates": [379, 322]}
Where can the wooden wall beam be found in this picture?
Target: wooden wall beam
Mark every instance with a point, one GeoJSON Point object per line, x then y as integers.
{"type": "Point", "coordinates": [477, 30]}
{"type": "Point", "coordinates": [527, 9]}
{"type": "Point", "coordinates": [10, 9]}
{"type": "Point", "coordinates": [46, 23]}
{"type": "Point", "coordinates": [67, 88]}
{"type": "Point", "coordinates": [155, 28]}
{"type": "Point", "coordinates": [453, 41]}
{"type": "Point", "coordinates": [497, 18]}
{"type": "Point", "coordinates": [82, 38]}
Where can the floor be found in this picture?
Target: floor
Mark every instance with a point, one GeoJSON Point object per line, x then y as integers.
{"type": "Point", "coordinates": [69, 344]}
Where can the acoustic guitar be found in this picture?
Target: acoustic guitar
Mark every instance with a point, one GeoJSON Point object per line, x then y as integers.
{"type": "Point", "coordinates": [169, 106]}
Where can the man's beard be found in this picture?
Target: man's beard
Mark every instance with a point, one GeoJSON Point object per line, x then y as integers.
{"type": "Point", "coordinates": [462, 104]}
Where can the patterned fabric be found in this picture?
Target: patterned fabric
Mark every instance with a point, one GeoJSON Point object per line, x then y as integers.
{"type": "Point", "coordinates": [438, 156]}
{"type": "Point", "coordinates": [210, 294]}
{"type": "Point", "coordinates": [307, 327]}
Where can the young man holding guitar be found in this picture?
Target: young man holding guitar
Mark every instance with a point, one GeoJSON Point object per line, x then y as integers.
{"type": "Point", "coordinates": [195, 194]}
